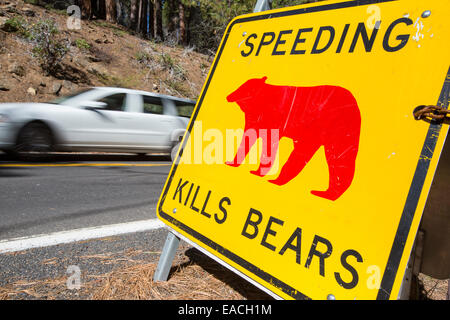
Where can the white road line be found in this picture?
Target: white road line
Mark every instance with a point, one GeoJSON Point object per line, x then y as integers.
{"type": "Point", "coordinates": [51, 239]}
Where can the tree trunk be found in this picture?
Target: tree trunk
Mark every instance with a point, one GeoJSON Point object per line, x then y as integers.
{"type": "Point", "coordinates": [187, 23]}
{"type": "Point", "coordinates": [157, 19]}
{"type": "Point", "coordinates": [101, 9]}
{"type": "Point", "coordinates": [133, 14]}
{"type": "Point", "coordinates": [171, 14]}
{"type": "Point", "coordinates": [86, 9]}
{"type": "Point", "coordinates": [98, 9]}
{"type": "Point", "coordinates": [151, 24]}
{"type": "Point", "coordinates": [111, 12]}
{"type": "Point", "coordinates": [144, 16]}
{"type": "Point", "coordinates": [182, 19]}
{"type": "Point", "coordinates": [139, 21]}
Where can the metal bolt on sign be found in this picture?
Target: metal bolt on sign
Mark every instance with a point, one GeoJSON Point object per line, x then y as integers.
{"type": "Point", "coordinates": [172, 241]}
{"type": "Point", "coordinates": [426, 14]}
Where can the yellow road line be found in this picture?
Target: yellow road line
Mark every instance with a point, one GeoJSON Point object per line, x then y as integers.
{"type": "Point", "coordinates": [86, 165]}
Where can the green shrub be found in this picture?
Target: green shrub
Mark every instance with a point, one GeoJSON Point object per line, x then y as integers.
{"type": "Point", "coordinates": [143, 57]}
{"type": "Point", "coordinates": [177, 86]}
{"type": "Point", "coordinates": [18, 25]}
{"type": "Point", "coordinates": [175, 69]}
{"type": "Point", "coordinates": [82, 44]}
{"type": "Point", "coordinates": [167, 61]}
{"type": "Point", "coordinates": [48, 47]}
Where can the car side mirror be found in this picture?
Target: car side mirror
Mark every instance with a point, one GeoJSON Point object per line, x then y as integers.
{"type": "Point", "coordinates": [93, 105]}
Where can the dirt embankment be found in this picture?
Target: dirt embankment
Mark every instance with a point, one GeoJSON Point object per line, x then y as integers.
{"type": "Point", "coordinates": [99, 54]}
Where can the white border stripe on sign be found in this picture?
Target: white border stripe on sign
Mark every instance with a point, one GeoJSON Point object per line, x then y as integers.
{"type": "Point", "coordinates": [51, 239]}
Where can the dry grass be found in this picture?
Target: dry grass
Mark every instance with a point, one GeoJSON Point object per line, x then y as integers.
{"type": "Point", "coordinates": [42, 289]}
{"type": "Point", "coordinates": [193, 277]}
{"type": "Point", "coordinates": [188, 282]}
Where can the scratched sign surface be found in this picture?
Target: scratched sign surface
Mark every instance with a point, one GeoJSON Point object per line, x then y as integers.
{"type": "Point", "coordinates": [304, 169]}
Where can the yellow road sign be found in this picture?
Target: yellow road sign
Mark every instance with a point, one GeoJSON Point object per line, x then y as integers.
{"type": "Point", "coordinates": [304, 169]}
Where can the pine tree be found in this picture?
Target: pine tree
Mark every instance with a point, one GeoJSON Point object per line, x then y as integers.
{"type": "Point", "coordinates": [157, 20]}
{"type": "Point", "coordinates": [144, 15]}
{"type": "Point", "coordinates": [182, 24]}
{"type": "Point", "coordinates": [133, 14]}
{"type": "Point", "coordinates": [86, 9]}
{"type": "Point", "coordinates": [170, 15]}
{"type": "Point", "coordinates": [139, 19]}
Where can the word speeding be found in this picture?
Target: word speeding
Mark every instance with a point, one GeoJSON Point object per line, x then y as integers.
{"type": "Point", "coordinates": [293, 42]}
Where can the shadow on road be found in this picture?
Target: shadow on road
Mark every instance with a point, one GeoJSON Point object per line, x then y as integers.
{"type": "Point", "coordinates": [72, 215]}
{"type": "Point", "coordinates": [81, 157]}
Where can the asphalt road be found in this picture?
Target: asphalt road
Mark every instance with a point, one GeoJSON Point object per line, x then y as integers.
{"type": "Point", "coordinates": [78, 191]}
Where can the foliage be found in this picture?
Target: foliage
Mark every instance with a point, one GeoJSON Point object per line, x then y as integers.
{"type": "Point", "coordinates": [143, 57]}
{"type": "Point", "coordinates": [175, 70]}
{"type": "Point", "coordinates": [209, 19]}
{"type": "Point", "coordinates": [82, 44]}
{"type": "Point", "coordinates": [198, 24]}
{"type": "Point", "coordinates": [18, 25]}
{"type": "Point", "coordinates": [48, 47]}
{"type": "Point", "coordinates": [288, 3]}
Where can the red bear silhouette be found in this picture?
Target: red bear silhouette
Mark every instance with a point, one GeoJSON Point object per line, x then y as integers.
{"type": "Point", "coordinates": [311, 117]}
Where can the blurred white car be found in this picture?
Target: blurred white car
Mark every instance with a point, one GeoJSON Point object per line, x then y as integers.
{"type": "Point", "coordinates": [98, 119]}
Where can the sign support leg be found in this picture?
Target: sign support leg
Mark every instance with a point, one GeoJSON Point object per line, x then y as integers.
{"type": "Point", "coordinates": [172, 241]}
{"type": "Point", "coordinates": [166, 258]}
{"type": "Point", "coordinates": [405, 288]}
{"type": "Point", "coordinates": [262, 5]}
{"type": "Point", "coordinates": [409, 287]}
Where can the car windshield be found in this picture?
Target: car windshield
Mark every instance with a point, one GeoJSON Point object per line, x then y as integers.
{"type": "Point", "coordinates": [65, 98]}
{"type": "Point", "coordinates": [185, 109]}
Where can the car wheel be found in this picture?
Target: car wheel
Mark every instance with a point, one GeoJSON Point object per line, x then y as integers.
{"type": "Point", "coordinates": [173, 153]}
{"type": "Point", "coordinates": [34, 141]}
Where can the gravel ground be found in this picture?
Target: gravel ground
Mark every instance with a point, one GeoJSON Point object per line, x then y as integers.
{"type": "Point", "coordinates": [22, 270]}
{"type": "Point", "coordinates": [433, 289]}
{"type": "Point", "coordinates": [47, 273]}
{"type": "Point", "coordinates": [122, 267]}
